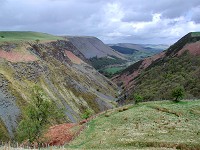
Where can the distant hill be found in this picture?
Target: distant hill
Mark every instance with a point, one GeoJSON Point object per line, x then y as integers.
{"type": "Point", "coordinates": [99, 55]}
{"type": "Point", "coordinates": [154, 48]}
{"type": "Point", "coordinates": [124, 50]}
{"type": "Point", "coordinates": [155, 77]}
{"type": "Point", "coordinates": [91, 47]}
{"type": "Point", "coordinates": [133, 53]}
{"type": "Point", "coordinates": [58, 68]}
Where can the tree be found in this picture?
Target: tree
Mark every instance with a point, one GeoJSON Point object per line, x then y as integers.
{"type": "Point", "coordinates": [38, 114]}
{"type": "Point", "coordinates": [138, 98]}
{"type": "Point", "coordinates": [37, 41]}
{"type": "Point", "coordinates": [178, 93]}
{"type": "Point", "coordinates": [87, 114]}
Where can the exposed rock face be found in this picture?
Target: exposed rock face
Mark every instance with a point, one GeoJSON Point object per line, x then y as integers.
{"type": "Point", "coordinates": [66, 78]}
{"type": "Point", "coordinates": [9, 111]}
{"type": "Point", "coordinates": [92, 47]}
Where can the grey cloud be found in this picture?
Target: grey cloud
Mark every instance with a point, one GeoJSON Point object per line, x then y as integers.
{"type": "Point", "coordinates": [180, 8]}
{"type": "Point", "coordinates": [169, 8]}
{"type": "Point", "coordinates": [96, 18]}
{"type": "Point", "coordinates": [196, 19]}
{"type": "Point", "coordinates": [196, 15]}
{"type": "Point", "coordinates": [137, 16]}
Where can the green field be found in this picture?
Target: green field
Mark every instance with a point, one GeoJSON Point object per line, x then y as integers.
{"type": "Point", "coordinates": [195, 34]}
{"type": "Point", "coordinates": [149, 125]}
{"type": "Point", "coordinates": [25, 36]}
{"type": "Point", "coordinates": [111, 71]}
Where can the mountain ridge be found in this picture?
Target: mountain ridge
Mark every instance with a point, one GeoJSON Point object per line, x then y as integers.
{"type": "Point", "coordinates": [140, 75]}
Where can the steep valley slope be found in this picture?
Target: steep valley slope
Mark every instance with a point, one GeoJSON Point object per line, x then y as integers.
{"type": "Point", "coordinates": [58, 67]}
{"type": "Point", "coordinates": [155, 77]}
{"type": "Point", "coordinates": [92, 46]}
{"type": "Point", "coordinates": [99, 55]}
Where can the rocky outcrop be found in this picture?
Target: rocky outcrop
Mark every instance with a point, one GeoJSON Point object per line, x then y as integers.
{"type": "Point", "coordinates": [9, 111]}
{"type": "Point", "coordinates": [72, 86]}
{"type": "Point", "coordinates": [92, 47]}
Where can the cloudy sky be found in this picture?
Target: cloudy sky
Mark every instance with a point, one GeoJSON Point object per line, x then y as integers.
{"type": "Point", "coordinates": [113, 21]}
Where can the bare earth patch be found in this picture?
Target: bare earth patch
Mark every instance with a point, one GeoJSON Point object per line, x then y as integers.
{"type": "Point", "coordinates": [17, 56]}
{"type": "Point", "coordinates": [60, 134]}
{"type": "Point", "coordinates": [73, 57]}
{"type": "Point", "coordinates": [193, 48]}
{"type": "Point", "coordinates": [64, 133]}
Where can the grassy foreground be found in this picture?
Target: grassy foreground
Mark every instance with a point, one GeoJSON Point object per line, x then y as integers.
{"type": "Point", "coordinates": [150, 125]}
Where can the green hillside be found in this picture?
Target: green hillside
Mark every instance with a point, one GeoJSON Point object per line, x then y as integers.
{"type": "Point", "coordinates": [124, 50]}
{"type": "Point", "coordinates": [155, 78]}
{"type": "Point", "coordinates": [174, 70]}
{"type": "Point", "coordinates": [150, 125]}
{"type": "Point", "coordinates": [25, 35]}
{"type": "Point", "coordinates": [193, 34]}
{"type": "Point", "coordinates": [177, 71]}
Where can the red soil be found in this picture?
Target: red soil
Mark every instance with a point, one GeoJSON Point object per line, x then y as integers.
{"type": "Point", "coordinates": [194, 48]}
{"type": "Point", "coordinates": [60, 134]}
{"type": "Point", "coordinates": [128, 79]}
{"type": "Point", "coordinates": [73, 57]}
{"type": "Point", "coordinates": [17, 56]}
{"type": "Point", "coordinates": [149, 60]}
{"type": "Point", "coordinates": [63, 133]}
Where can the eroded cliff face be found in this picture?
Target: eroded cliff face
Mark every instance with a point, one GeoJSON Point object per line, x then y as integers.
{"type": "Point", "coordinates": [61, 70]}
{"type": "Point", "coordinates": [92, 47]}
{"type": "Point", "coordinates": [9, 111]}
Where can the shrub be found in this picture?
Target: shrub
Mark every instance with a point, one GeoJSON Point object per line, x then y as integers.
{"type": "Point", "coordinates": [38, 115]}
{"type": "Point", "coordinates": [138, 98]}
{"type": "Point", "coordinates": [37, 41]}
{"type": "Point", "coordinates": [178, 93]}
{"type": "Point", "coordinates": [87, 114]}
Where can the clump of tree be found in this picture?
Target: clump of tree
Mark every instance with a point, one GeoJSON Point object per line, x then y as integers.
{"type": "Point", "coordinates": [99, 63]}
{"type": "Point", "coordinates": [178, 93]}
{"type": "Point", "coordinates": [37, 41]}
{"type": "Point", "coordinates": [87, 114]}
{"type": "Point", "coordinates": [138, 98]}
{"type": "Point", "coordinates": [38, 115]}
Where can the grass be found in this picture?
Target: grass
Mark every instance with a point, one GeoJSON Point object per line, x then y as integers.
{"type": "Point", "coordinates": [150, 125]}
{"type": "Point", "coordinates": [195, 34]}
{"type": "Point", "coordinates": [15, 36]}
{"type": "Point", "coordinates": [3, 132]}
